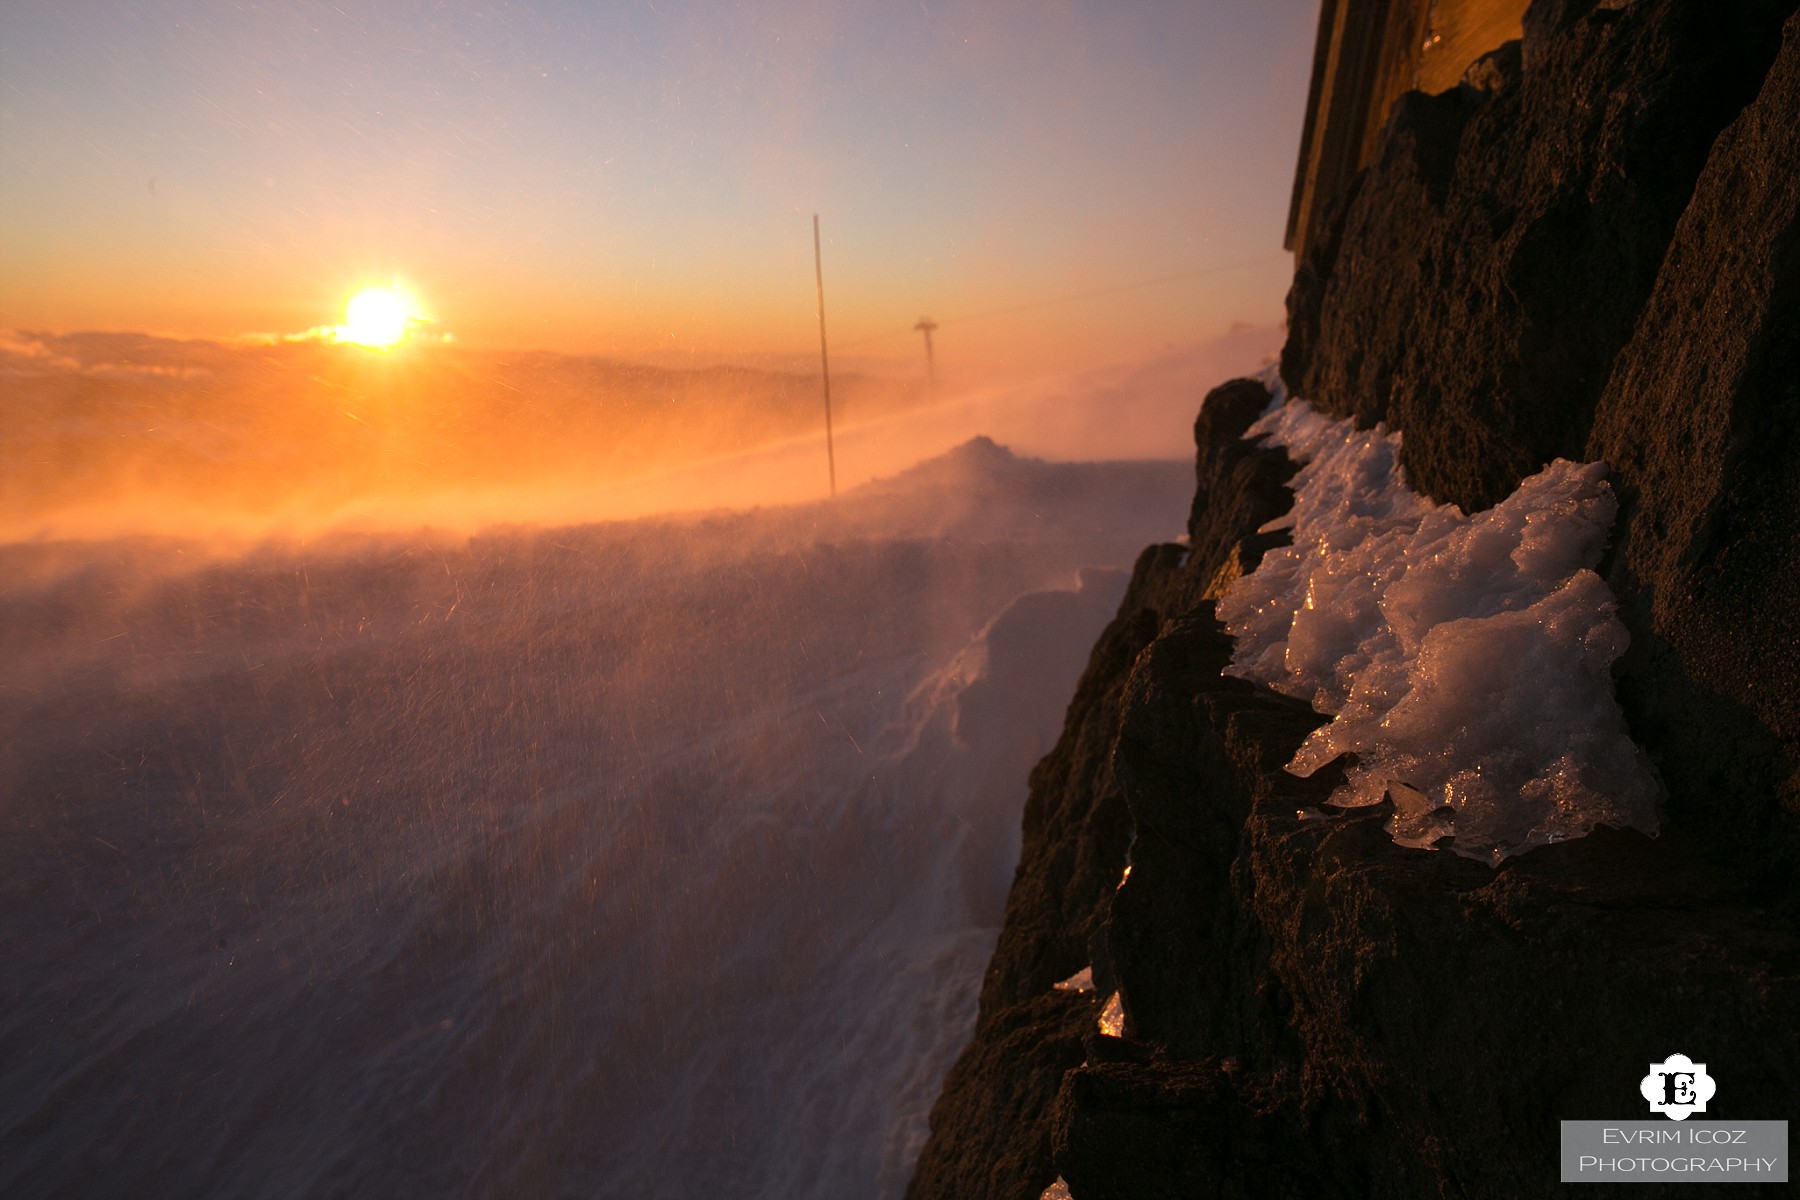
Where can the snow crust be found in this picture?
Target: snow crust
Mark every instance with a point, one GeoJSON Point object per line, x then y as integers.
{"type": "Point", "coordinates": [1465, 661]}
{"type": "Point", "coordinates": [674, 850]}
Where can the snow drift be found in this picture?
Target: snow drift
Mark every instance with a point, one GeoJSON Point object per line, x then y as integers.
{"type": "Point", "coordinates": [657, 858]}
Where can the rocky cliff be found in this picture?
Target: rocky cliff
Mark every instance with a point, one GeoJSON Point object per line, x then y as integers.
{"type": "Point", "coordinates": [1591, 249]}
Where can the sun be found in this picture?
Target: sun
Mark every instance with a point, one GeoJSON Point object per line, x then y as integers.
{"type": "Point", "coordinates": [378, 317]}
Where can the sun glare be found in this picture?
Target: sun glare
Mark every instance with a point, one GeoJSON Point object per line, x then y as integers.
{"type": "Point", "coordinates": [378, 317]}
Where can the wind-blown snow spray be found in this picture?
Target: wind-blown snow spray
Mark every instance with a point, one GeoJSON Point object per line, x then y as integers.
{"type": "Point", "coordinates": [659, 857]}
{"type": "Point", "coordinates": [1465, 661]}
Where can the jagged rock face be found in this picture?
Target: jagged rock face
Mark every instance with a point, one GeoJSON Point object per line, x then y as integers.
{"type": "Point", "coordinates": [1594, 258]}
{"type": "Point", "coordinates": [1328, 1014]}
{"type": "Point", "coordinates": [1701, 422]}
{"type": "Point", "coordinates": [1598, 256]}
{"type": "Point", "coordinates": [1492, 260]}
{"type": "Point", "coordinates": [1310, 1009]}
{"type": "Point", "coordinates": [991, 1128]}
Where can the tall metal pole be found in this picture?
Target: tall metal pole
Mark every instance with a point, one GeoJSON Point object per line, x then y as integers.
{"type": "Point", "coordinates": [824, 359]}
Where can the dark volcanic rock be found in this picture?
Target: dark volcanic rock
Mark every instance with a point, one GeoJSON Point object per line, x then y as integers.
{"type": "Point", "coordinates": [1495, 256]}
{"type": "Point", "coordinates": [991, 1127]}
{"type": "Point", "coordinates": [1398, 1022]}
{"type": "Point", "coordinates": [1176, 1130]}
{"type": "Point", "coordinates": [1591, 250]}
{"type": "Point", "coordinates": [1594, 256]}
{"type": "Point", "coordinates": [1701, 422]}
{"type": "Point", "coordinates": [1309, 1008]}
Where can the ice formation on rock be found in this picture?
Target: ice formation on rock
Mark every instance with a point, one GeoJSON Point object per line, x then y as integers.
{"type": "Point", "coordinates": [1112, 1016]}
{"type": "Point", "coordinates": [1465, 661]}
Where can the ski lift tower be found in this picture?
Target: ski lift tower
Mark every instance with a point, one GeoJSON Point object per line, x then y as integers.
{"type": "Point", "coordinates": [925, 326]}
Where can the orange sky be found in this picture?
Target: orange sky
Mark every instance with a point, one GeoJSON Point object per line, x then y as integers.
{"type": "Point", "coordinates": [639, 180]}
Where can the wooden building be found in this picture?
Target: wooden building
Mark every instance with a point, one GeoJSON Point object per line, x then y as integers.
{"type": "Point", "coordinates": [1368, 53]}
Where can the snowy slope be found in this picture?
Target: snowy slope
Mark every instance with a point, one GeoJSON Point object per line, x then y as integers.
{"type": "Point", "coordinates": [657, 858]}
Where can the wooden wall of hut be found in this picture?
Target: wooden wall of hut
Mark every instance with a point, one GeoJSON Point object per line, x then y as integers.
{"type": "Point", "coordinates": [1368, 52]}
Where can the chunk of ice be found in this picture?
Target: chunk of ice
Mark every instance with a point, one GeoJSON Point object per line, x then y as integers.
{"type": "Point", "coordinates": [1112, 1017]}
{"type": "Point", "coordinates": [1080, 981]}
{"type": "Point", "coordinates": [1465, 661]}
